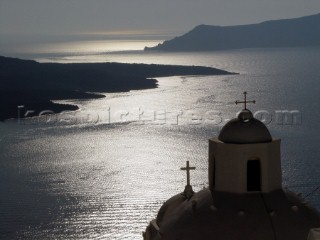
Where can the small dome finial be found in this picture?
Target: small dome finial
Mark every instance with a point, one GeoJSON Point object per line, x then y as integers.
{"type": "Point", "coordinates": [245, 101]}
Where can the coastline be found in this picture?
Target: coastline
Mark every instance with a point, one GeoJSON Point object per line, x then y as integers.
{"type": "Point", "coordinates": [32, 85]}
{"type": "Point", "coordinates": [36, 103]}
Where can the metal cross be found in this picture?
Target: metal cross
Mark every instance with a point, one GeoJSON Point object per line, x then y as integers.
{"type": "Point", "coordinates": [188, 168]}
{"type": "Point", "coordinates": [245, 101]}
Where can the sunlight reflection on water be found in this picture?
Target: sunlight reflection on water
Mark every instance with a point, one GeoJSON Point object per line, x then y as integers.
{"type": "Point", "coordinates": [106, 181]}
{"type": "Point", "coordinates": [77, 51]}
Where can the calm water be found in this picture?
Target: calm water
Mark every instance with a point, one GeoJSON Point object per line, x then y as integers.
{"type": "Point", "coordinates": [104, 171]}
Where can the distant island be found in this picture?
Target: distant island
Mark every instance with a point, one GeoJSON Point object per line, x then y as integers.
{"type": "Point", "coordinates": [298, 32]}
{"type": "Point", "coordinates": [34, 85]}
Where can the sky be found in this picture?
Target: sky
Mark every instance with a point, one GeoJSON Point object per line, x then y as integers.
{"type": "Point", "coordinates": [89, 18]}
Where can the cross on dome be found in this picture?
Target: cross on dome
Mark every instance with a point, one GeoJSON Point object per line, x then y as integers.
{"type": "Point", "coordinates": [245, 101]}
{"type": "Point", "coordinates": [188, 168]}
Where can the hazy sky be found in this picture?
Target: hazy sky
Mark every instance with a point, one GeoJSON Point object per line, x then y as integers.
{"type": "Point", "coordinates": [68, 17]}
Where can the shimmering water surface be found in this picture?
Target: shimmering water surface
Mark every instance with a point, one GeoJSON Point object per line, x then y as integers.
{"type": "Point", "coordinates": [104, 171]}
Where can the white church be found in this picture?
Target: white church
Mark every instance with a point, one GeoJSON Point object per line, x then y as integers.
{"type": "Point", "coordinates": [245, 198]}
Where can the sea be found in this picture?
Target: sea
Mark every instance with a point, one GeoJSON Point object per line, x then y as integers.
{"type": "Point", "coordinates": [103, 172]}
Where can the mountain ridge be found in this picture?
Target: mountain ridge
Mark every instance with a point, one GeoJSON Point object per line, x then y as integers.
{"type": "Point", "coordinates": [296, 32]}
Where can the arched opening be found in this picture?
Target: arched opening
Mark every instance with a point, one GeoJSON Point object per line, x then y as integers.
{"type": "Point", "coordinates": [253, 175]}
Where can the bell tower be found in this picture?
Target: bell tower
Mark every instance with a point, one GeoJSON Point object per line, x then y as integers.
{"type": "Point", "coordinates": [244, 158]}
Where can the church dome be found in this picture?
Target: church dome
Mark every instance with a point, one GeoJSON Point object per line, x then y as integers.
{"type": "Point", "coordinates": [218, 215]}
{"type": "Point", "coordinates": [245, 198]}
{"type": "Point", "coordinates": [169, 206]}
{"type": "Point", "coordinates": [245, 129]}
{"type": "Point", "coordinates": [173, 203]}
